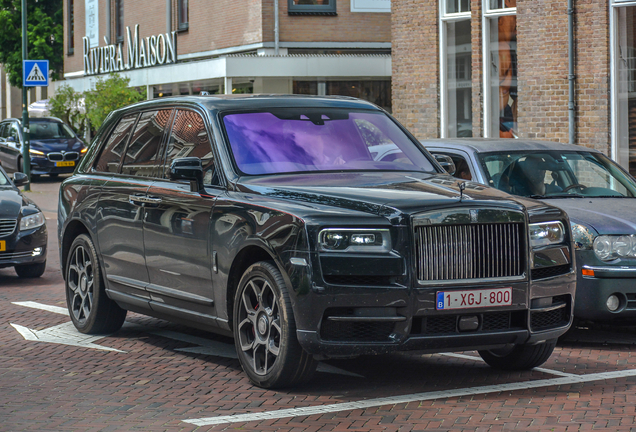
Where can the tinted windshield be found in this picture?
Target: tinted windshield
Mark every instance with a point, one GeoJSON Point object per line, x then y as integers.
{"type": "Point", "coordinates": [297, 140]}
{"type": "Point", "coordinates": [548, 174]}
{"type": "Point", "coordinates": [49, 130]}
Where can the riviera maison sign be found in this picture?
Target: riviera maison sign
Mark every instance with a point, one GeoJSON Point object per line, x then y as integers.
{"type": "Point", "coordinates": [140, 52]}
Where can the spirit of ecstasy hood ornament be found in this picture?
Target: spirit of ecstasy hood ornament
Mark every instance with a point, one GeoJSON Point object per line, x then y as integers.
{"type": "Point", "coordinates": [462, 186]}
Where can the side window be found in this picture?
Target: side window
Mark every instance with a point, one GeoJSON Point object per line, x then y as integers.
{"type": "Point", "coordinates": [3, 129]}
{"type": "Point", "coordinates": [113, 150]}
{"type": "Point", "coordinates": [13, 132]}
{"type": "Point", "coordinates": [462, 170]}
{"type": "Point", "coordinates": [189, 138]}
{"type": "Point", "coordinates": [142, 153]}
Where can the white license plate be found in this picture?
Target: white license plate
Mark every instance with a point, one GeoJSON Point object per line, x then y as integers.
{"type": "Point", "coordinates": [474, 298]}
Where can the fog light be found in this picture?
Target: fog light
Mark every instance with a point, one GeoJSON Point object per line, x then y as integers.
{"type": "Point", "coordinates": [612, 303]}
{"type": "Point", "coordinates": [37, 251]}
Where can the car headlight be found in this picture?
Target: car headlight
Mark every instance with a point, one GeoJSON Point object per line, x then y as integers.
{"type": "Point", "coordinates": [546, 233]}
{"type": "Point", "coordinates": [32, 221]}
{"type": "Point", "coordinates": [355, 240]}
{"type": "Point", "coordinates": [84, 150]}
{"type": "Point", "coordinates": [36, 152]}
{"type": "Point", "coordinates": [582, 236]}
{"type": "Point", "coordinates": [607, 248]}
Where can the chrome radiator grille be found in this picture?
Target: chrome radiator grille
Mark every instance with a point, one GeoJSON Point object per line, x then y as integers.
{"type": "Point", "coordinates": [472, 251]}
{"type": "Point", "coordinates": [7, 226]}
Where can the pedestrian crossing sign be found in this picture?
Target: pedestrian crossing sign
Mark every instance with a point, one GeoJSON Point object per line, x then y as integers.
{"type": "Point", "coordinates": [35, 73]}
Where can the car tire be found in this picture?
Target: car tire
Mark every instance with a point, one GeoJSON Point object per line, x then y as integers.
{"type": "Point", "coordinates": [30, 271]}
{"type": "Point", "coordinates": [519, 357]}
{"type": "Point", "coordinates": [265, 330]}
{"type": "Point", "coordinates": [91, 310]}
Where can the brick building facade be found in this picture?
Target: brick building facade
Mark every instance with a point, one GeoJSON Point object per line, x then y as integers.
{"type": "Point", "coordinates": [499, 68]}
{"type": "Point", "coordinates": [315, 46]}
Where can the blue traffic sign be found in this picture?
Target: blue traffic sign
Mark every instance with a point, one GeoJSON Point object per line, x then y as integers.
{"type": "Point", "coordinates": [35, 73]}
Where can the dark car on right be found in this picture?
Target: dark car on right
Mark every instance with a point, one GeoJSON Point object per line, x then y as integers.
{"type": "Point", "coordinates": [598, 195]}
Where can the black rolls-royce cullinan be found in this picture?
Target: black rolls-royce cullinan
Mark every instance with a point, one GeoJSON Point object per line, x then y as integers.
{"type": "Point", "coordinates": [272, 219]}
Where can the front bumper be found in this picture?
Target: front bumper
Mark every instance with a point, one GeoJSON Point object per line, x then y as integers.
{"type": "Point", "coordinates": [41, 165]}
{"type": "Point", "coordinates": [593, 292]}
{"type": "Point", "coordinates": [22, 248]}
{"type": "Point", "coordinates": [353, 320]}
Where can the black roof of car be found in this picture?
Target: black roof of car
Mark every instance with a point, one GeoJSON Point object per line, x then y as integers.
{"type": "Point", "coordinates": [260, 101]}
{"type": "Point", "coordinates": [484, 145]}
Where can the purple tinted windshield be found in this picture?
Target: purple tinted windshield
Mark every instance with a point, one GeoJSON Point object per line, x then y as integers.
{"type": "Point", "coordinates": [300, 140]}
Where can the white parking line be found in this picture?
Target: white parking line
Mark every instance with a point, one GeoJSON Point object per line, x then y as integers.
{"type": "Point", "coordinates": [35, 305]}
{"type": "Point", "coordinates": [370, 403]}
{"type": "Point", "coordinates": [538, 369]}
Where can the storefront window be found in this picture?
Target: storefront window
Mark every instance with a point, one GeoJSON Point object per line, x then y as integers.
{"type": "Point", "coordinates": [626, 87]}
{"type": "Point", "coordinates": [502, 74]}
{"type": "Point", "coordinates": [375, 91]}
{"type": "Point", "coordinates": [458, 86]}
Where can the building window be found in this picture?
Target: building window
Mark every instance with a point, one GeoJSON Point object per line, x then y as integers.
{"type": "Point", "coordinates": [119, 21]}
{"type": "Point", "coordinates": [71, 27]}
{"type": "Point", "coordinates": [182, 14]}
{"type": "Point", "coordinates": [311, 7]}
{"type": "Point", "coordinates": [456, 69]}
{"type": "Point", "coordinates": [500, 68]}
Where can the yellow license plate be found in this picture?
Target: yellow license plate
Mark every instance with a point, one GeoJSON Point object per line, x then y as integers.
{"type": "Point", "coordinates": [3, 245]}
{"type": "Point", "coordinates": [65, 163]}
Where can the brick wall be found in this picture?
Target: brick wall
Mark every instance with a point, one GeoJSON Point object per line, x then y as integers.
{"type": "Point", "coordinates": [415, 59]}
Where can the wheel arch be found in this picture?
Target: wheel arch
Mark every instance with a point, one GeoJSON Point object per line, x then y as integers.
{"type": "Point", "coordinates": [248, 255]}
{"type": "Point", "coordinates": [72, 230]}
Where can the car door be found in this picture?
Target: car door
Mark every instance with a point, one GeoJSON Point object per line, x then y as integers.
{"type": "Point", "coordinates": [134, 145]}
{"type": "Point", "coordinates": [177, 228]}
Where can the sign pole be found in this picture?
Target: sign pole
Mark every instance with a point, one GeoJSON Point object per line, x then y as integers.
{"type": "Point", "coordinates": [26, 157]}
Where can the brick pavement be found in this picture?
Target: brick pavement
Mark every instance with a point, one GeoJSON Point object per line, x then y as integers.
{"type": "Point", "coordinates": [154, 387]}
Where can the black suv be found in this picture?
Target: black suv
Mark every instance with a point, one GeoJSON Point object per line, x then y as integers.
{"type": "Point", "coordinates": [268, 218]}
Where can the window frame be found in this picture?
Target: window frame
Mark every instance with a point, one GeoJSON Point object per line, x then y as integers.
{"type": "Point", "coordinates": [183, 25]}
{"type": "Point", "coordinates": [486, 17]}
{"type": "Point", "coordinates": [329, 9]}
{"type": "Point", "coordinates": [70, 10]}
{"type": "Point", "coordinates": [445, 18]}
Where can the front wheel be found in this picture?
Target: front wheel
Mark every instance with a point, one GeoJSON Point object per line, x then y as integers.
{"type": "Point", "coordinates": [519, 357]}
{"type": "Point", "coordinates": [91, 310]}
{"type": "Point", "coordinates": [265, 330]}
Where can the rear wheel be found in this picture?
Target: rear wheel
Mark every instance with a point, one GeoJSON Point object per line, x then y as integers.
{"type": "Point", "coordinates": [90, 308]}
{"type": "Point", "coordinates": [519, 357]}
{"type": "Point", "coordinates": [265, 330]}
{"type": "Point", "coordinates": [29, 271]}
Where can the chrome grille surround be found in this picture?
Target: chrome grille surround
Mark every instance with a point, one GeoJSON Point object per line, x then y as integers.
{"type": "Point", "coordinates": [470, 245]}
{"type": "Point", "coordinates": [63, 156]}
{"type": "Point", "coordinates": [7, 226]}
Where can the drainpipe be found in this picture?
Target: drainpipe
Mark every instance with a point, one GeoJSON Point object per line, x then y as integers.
{"type": "Point", "coordinates": [276, 30]}
{"type": "Point", "coordinates": [571, 77]}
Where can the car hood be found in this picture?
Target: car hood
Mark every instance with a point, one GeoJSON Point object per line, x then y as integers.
{"type": "Point", "coordinates": [11, 201]}
{"type": "Point", "coordinates": [381, 193]}
{"type": "Point", "coordinates": [605, 215]}
{"type": "Point", "coordinates": [66, 144]}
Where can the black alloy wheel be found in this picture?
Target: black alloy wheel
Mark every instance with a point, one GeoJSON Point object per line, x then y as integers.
{"type": "Point", "coordinates": [265, 330]}
{"type": "Point", "coordinates": [90, 308]}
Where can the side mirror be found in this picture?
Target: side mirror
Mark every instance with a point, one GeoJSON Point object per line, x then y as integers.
{"type": "Point", "coordinates": [188, 168]}
{"type": "Point", "coordinates": [20, 179]}
{"type": "Point", "coordinates": [446, 162]}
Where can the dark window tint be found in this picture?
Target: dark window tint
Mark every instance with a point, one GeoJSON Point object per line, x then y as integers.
{"type": "Point", "coordinates": [141, 156]}
{"type": "Point", "coordinates": [189, 138]}
{"type": "Point", "coordinates": [114, 149]}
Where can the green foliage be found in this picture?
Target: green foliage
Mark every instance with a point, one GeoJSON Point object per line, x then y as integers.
{"type": "Point", "coordinates": [110, 94]}
{"type": "Point", "coordinates": [45, 35]}
{"type": "Point", "coordinates": [68, 105]}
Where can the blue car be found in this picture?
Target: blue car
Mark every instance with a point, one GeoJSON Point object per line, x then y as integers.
{"type": "Point", "coordinates": [54, 147]}
{"type": "Point", "coordinates": [598, 195]}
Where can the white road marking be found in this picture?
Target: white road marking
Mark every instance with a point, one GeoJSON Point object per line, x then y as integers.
{"type": "Point", "coordinates": [64, 334]}
{"type": "Point", "coordinates": [35, 305]}
{"type": "Point", "coordinates": [538, 369]}
{"type": "Point", "coordinates": [446, 394]}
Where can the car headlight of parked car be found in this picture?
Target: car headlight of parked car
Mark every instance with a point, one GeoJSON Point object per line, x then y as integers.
{"type": "Point", "coordinates": [36, 152]}
{"type": "Point", "coordinates": [355, 240]}
{"type": "Point", "coordinates": [32, 221]}
{"type": "Point", "coordinates": [582, 236]}
{"type": "Point", "coordinates": [546, 233]}
{"type": "Point", "coordinates": [608, 248]}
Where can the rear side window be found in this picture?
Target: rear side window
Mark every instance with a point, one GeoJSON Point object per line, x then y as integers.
{"type": "Point", "coordinates": [114, 149]}
{"type": "Point", "coordinates": [189, 138]}
{"type": "Point", "coordinates": [142, 157]}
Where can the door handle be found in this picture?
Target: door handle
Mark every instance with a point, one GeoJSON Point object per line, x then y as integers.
{"type": "Point", "coordinates": [144, 201]}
